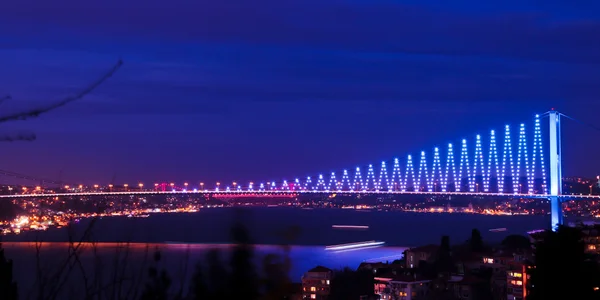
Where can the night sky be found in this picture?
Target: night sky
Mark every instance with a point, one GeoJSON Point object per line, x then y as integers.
{"type": "Point", "coordinates": [272, 89]}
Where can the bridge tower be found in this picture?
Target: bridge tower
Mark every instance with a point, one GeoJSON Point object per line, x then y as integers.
{"type": "Point", "coordinates": [555, 171]}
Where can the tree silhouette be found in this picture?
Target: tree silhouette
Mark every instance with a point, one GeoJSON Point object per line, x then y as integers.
{"type": "Point", "coordinates": [198, 288]}
{"type": "Point", "coordinates": [562, 269]}
{"type": "Point", "coordinates": [443, 263]}
{"type": "Point", "coordinates": [218, 277]}
{"type": "Point", "coordinates": [32, 113]}
{"type": "Point", "coordinates": [243, 275]}
{"type": "Point", "coordinates": [476, 241]}
{"type": "Point", "coordinates": [159, 282]}
{"type": "Point", "coordinates": [276, 280]}
{"type": "Point", "coordinates": [516, 242]}
{"type": "Point", "coordinates": [8, 288]}
{"type": "Point", "coordinates": [350, 284]}
{"type": "Point", "coordinates": [8, 210]}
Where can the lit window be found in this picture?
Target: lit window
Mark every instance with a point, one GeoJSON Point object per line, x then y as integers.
{"type": "Point", "coordinates": [313, 296]}
{"type": "Point", "coordinates": [327, 281]}
{"type": "Point", "coordinates": [313, 289]}
{"type": "Point", "coordinates": [402, 294]}
{"type": "Point", "coordinates": [488, 260]}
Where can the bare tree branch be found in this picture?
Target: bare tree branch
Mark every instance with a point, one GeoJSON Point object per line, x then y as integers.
{"type": "Point", "coordinates": [36, 112]}
{"type": "Point", "coordinates": [7, 97]}
{"type": "Point", "coordinates": [4, 137]}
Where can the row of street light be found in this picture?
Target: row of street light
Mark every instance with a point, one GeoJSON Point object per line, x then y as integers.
{"type": "Point", "coordinates": [140, 185]}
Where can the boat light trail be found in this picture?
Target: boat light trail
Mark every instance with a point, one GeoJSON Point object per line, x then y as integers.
{"type": "Point", "coordinates": [354, 245]}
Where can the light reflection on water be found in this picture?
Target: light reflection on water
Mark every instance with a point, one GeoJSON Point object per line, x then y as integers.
{"type": "Point", "coordinates": [174, 256]}
{"type": "Point", "coordinates": [208, 229]}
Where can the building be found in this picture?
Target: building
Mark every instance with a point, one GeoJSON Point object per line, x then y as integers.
{"type": "Point", "coordinates": [424, 253]}
{"type": "Point", "coordinates": [382, 268]}
{"type": "Point", "coordinates": [467, 287]}
{"type": "Point", "coordinates": [590, 234]}
{"type": "Point", "coordinates": [404, 287]}
{"type": "Point", "coordinates": [517, 281]}
{"type": "Point", "coordinates": [316, 283]}
{"type": "Point", "coordinates": [508, 273]}
{"type": "Point", "coordinates": [294, 292]}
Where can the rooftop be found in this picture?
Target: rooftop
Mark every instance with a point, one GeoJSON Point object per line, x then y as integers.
{"type": "Point", "coordinates": [426, 248]}
{"type": "Point", "coordinates": [467, 280]}
{"type": "Point", "coordinates": [320, 269]}
{"type": "Point", "coordinates": [401, 277]}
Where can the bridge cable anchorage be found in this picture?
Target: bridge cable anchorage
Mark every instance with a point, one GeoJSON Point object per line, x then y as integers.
{"type": "Point", "coordinates": [36, 112]}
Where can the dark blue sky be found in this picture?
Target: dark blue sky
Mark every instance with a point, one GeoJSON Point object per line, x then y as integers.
{"type": "Point", "coordinates": [270, 89]}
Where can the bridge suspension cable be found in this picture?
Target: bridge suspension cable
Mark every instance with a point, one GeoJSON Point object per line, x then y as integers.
{"type": "Point", "coordinates": [27, 177]}
{"type": "Point", "coordinates": [581, 122]}
{"type": "Point", "coordinates": [483, 169]}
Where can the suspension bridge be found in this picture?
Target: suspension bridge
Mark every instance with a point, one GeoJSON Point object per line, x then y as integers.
{"type": "Point", "coordinates": [523, 162]}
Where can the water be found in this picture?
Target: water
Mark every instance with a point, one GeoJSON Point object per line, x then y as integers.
{"type": "Point", "coordinates": [267, 225]}
{"type": "Point", "coordinates": [192, 235]}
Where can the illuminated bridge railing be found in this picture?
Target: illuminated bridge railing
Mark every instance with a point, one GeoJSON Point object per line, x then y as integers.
{"type": "Point", "coordinates": [511, 162]}
{"type": "Point", "coordinates": [275, 193]}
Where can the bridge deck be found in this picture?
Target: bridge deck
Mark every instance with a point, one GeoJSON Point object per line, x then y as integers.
{"type": "Point", "coordinates": [297, 192]}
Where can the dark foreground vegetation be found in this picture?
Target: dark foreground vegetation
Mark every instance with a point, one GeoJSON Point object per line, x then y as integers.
{"type": "Point", "coordinates": [560, 269]}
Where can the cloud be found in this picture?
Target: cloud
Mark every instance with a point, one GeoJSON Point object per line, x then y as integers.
{"type": "Point", "coordinates": [375, 27]}
{"type": "Point", "coordinates": [225, 57]}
